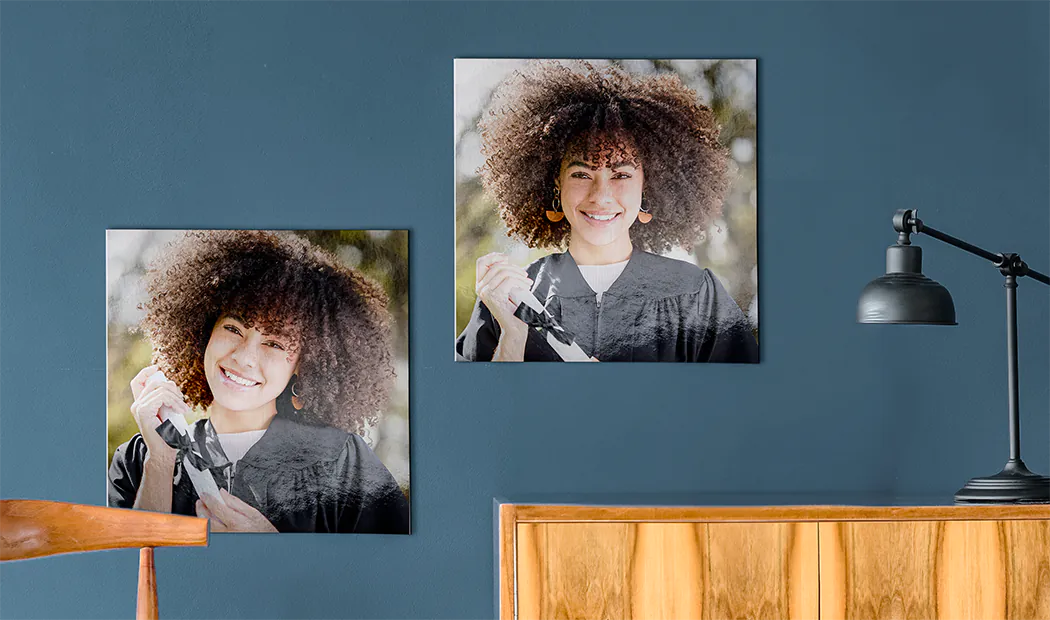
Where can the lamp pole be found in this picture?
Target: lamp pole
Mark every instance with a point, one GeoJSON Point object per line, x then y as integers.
{"type": "Point", "coordinates": [1011, 369]}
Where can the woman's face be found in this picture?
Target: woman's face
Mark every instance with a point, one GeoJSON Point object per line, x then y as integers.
{"type": "Point", "coordinates": [601, 199]}
{"type": "Point", "coordinates": [247, 369]}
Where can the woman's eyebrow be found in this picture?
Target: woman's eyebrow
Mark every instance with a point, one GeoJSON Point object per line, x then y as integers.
{"type": "Point", "coordinates": [612, 166]}
{"type": "Point", "coordinates": [234, 316]}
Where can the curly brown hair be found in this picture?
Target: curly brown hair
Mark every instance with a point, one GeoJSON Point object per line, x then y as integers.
{"type": "Point", "coordinates": [281, 284]}
{"type": "Point", "coordinates": [540, 113]}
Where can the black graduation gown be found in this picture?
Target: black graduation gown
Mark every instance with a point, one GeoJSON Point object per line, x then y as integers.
{"type": "Point", "coordinates": [303, 478]}
{"type": "Point", "coordinates": [658, 310]}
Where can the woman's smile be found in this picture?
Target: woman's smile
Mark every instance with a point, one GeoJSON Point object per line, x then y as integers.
{"type": "Point", "coordinates": [601, 219]}
{"type": "Point", "coordinates": [237, 380]}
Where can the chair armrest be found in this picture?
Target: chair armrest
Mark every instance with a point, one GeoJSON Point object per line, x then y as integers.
{"type": "Point", "coordinates": [35, 528]}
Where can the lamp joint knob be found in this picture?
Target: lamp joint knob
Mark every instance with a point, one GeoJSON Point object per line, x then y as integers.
{"type": "Point", "coordinates": [906, 222]}
{"type": "Point", "coordinates": [1012, 265]}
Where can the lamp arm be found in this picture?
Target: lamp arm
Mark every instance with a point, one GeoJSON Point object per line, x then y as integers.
{"type": "Point", "coordinates": [906, 222]}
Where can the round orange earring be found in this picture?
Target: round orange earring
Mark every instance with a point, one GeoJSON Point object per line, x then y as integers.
{"type": "Point", "coordinates": [555, 214]}
{"type": "Point", "coordinates": [644, 216]}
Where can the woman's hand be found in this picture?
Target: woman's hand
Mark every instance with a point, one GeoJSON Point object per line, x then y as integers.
{"type": "Point", "coordinates": [496, 278]}
{"type": "Point", "coordinates": [235, 515]}
{"type": "Point", "coordinates": [155, 399]}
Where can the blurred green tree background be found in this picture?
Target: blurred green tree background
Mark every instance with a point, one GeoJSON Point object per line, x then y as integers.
{"type": "Point", "coordinates": [380, 254]}
{"type": "Point", "coordinates": [730, 246]}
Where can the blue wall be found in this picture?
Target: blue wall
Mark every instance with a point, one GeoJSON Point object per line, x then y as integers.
{"type": "Point", "coordinates": [340, 116]}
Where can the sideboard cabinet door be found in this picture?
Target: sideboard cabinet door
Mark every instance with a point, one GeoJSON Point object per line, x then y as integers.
{"type": "Point", "coordinates": [666, 570]}
{"type": "Point", "coordinates": [949, 570]}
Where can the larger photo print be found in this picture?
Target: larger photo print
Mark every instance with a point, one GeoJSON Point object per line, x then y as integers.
{"type": "Point", "coordinates": [260, 378]}
{"type": "Point", "coordinates": [606, 210]}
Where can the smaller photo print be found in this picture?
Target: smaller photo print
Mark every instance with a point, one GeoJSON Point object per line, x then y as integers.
{"type": "Point", "coordinates": [606, 210]}
{"type": "Point", "coordinates": [259, 378]}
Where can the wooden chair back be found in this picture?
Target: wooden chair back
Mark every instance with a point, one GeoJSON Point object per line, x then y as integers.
{"type": "Point", "coordinates": [36, 528]}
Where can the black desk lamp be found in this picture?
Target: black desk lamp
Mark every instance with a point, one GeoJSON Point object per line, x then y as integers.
{"type": "Point", "coordinates": [905, 296]}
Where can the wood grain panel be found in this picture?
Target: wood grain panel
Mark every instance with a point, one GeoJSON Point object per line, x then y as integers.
{"type": "Point", "coordinates": [951, 570]}
{"type": "Point", "coordinates": [550, 513]}
{"type": "Point", "coordinates": [531, 572]}
{"type": "Point", "coordinates": [968, 554]}
{"type": "Point", "coordinates": [804, 571]}
{"type": "Point", "coordinates": [506, 545]}
{"type": "Point", "coordinates": [578, 571]}
{"type": "Point", "coordinates": [667, 570]}
{"type": "Point", "coordinates": [1026, 547]}
{"type": "Point", "coordinates": [878, 571]}
{"type": "Point", "coordinates": [761, 571]}
{"type": "Point", "coordinates": [946, 562]}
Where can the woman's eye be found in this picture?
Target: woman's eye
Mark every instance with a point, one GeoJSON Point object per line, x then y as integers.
{"type": "Point", "coordinates": [232, 329]}
{"type": "Point", "coordinates": [622, 175]}
{"type": "Point", "coordinates": [580, 175]}
{"type": "Point", "coordinates": [275, 345]}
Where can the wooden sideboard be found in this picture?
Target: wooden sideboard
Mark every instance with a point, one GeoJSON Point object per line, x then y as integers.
{"type": "Point", "coordinates": [767, 562]}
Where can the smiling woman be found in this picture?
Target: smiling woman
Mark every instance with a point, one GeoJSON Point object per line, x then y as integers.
{"type": "Point", "coordinates": [616, 169]}
{"type": "Point", "coordinates": [287, 351]}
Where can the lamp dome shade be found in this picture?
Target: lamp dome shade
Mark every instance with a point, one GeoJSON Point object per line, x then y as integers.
{"type": "Point", "coordinates": [905, 298]}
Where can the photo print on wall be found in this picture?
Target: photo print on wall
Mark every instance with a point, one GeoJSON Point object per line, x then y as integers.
{"type": "Point", "coordinates": [606, 210]}
{"type": "Point", "coordinates": [260, 378]}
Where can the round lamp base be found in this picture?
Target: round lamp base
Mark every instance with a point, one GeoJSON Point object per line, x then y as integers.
{"type": "Point", "coordinates": [1013, 485]}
